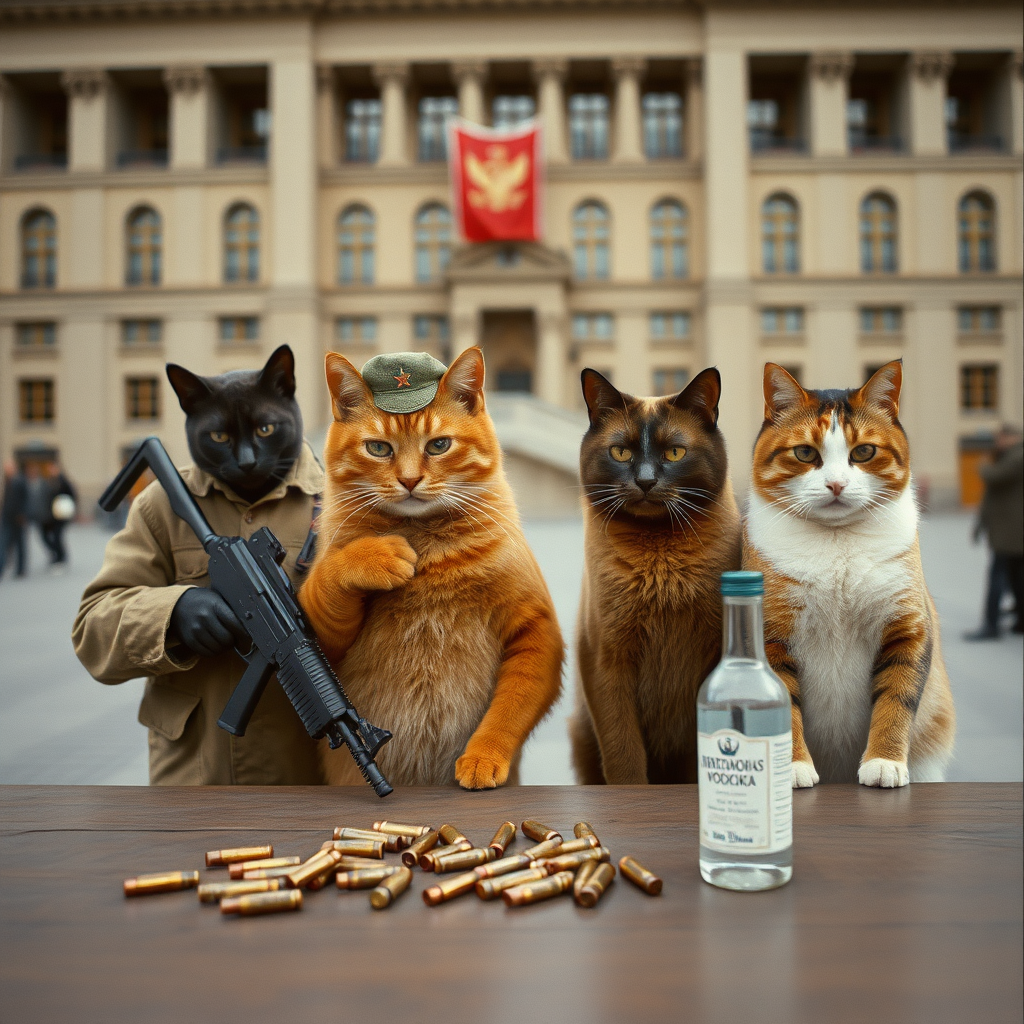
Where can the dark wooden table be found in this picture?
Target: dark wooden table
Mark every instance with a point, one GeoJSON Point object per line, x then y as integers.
{"type": "Point", "coordinates": [905, 906]}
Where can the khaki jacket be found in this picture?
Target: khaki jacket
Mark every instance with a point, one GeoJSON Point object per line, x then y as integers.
{"type": "Point", "coordinates": [120, 633]}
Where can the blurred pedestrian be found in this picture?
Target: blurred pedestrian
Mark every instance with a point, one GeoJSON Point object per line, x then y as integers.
{"type": "Point", "coordinates": [1001, 519]}
{"type": "Point", "coordinates": [60, 510]}
{"type": "Point", "coordinates": [13, 518]}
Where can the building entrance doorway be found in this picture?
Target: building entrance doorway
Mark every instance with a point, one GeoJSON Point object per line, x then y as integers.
{"type": "Point", "coordinates": [509, 343]}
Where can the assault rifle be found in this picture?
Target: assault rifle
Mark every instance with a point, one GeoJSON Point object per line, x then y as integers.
{"type": "Point", "coordinates": [249, 577]}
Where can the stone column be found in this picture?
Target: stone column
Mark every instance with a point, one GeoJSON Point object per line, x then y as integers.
{"type": "Point", "coordinates": [551, 357]}
{"type": "Point", "coordinates": [465, 324]}
{"type": "Point", "coordinates": [628, 144]}
{"type": "Point", "coordinates": [392, 78]}
{"type": "Point", "coordinates": [926, 102]}
{"type": "Point", "coordinates": [326, 117]}
{"type": "Point", "coordinates": [8, 126]}
{"type": "Point", "coordinates": [693, 118]}
{"type": "Point", "coordinates": [829, 73]}
{"type": "Point", "coordinates": [189, 88]}
{"type": "Point", "coordinates": [469, 76]}
{"type": "Point", "coordinates": [1013, 121]}
{"type": "Point", "coordinates": [89, 119]}
{"type": "Point", "coordinates": [549, 75]}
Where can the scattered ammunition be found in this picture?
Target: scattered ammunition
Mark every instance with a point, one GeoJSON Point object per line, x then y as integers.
{"type": "Point", "coordinates": [411, 857]}
{"type": "Point", "coordinates": [368, 878]}
{"type": "Point", "coordinates": [583, 828]}
{"type": "Point", "coordinates": [392, 828]}
{"type": "Point", "coordinates": [218, 858]}
{"type": "Point", "coordinates": [504, 836]}
{"type": "Point", "coordinates": [548, 847]}
{"type": "Point", "coordinates": [585, 870]}
{"type": "Point", "coordinates": [451, 835]}
{"type": "Point", "coordinates": [571, 861]}
{"type": "Point", "coordinates": [639, 875]}
{"type": "Point", "coordinates": [534, 892]}
{"type": "Point", "coordinates": [313, 868]}
{"type": "Point", "coordinates": [450, 888]}
{"type": "Point", "coordinates": [392, 844]}
{"type": "Point", "coordinates": [262, 903]}
{"type": "Point", "coordinates": [258, 873]}
{"type": "Point", "coordinates": [575, 845]}
{"type": "Point", "coordinates": [537, 832]}
{"type": "Point", "coordinates": [428, 860]}
{"type": "Point", "coordinates": [360, 847]}
{"type": "Point", "coordinates": [167, 881]}
{"type": "Point", "coordinates": [502, 867]}
{"type": "Point", "coordinates": [341, 846]}
{"type": "Point", "coordinates": [461, 861]}
{"type": "Point", "coordinates": [239, 869]}
{"type": "Point", "coordinates": [322, 879]}
{"type": "Point", "coordinates": [390, 889]}
{"type": "Point", "coordinates": [211, 892]}
{"type": "Point", "coordinates": [594, 885]}
{"type": "Point", "coordinates": [488, 888]}
{"type": "Point", "coordinates": [356, 863]}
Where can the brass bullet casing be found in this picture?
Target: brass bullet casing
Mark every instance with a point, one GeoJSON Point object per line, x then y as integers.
{"type": "Point", "coordinates": [571, 861]}
{"type": "Point", "coordinates": [313, 868]}
{"type": "Point", "coordinates": [218, 858]}
{"type": "Point", "coordinates": [461, 861]}
{"type": "Point", "coordinates": [262, 903]}
{"type": "Point", "coordinates": [575, 845]}
{"type": "Point", "coordinates": [239, 869]}
{"type": "Point", "coordinates": [545, 849]}
{"type": "Point", "coordinates": [391, 888]}
{"type": "Point", "coordinates": [537, 832]}
{"type": "Point", "coordinates": [368, 878]}
{"type": "Point", "coordinates": [392, 844]}
{"type": "Point", "coordinates": [583, 828]}
{"type": "Point", "coordinates": [393, 828]}
{"type": "Point", "coordinates": [267, 873]}
{"type": "Point", "coordinates": [360, 847]}
{"type": "Point", "coordinates": [411, 857]}
{"type": "Point", "coordinates": [451, 835]}
{"type": "Point", "coordinates": [504, 836]}
{"type": "Point", "coordinates": [640, 876]}
{"type": "Point", "coordinates": [357, 863]}
{"type": "Point", "coordinates": [534, 892]}
{"type": "Point", "coordinates": [519, 862]}
{"type": "Point", "coordinates": [583, 873]}
{"type": "Point", "coordinates": [594, 886]}
{"type": "Point", "coordinates": [488, 888]}
{"type": "Point", "coordinates": [450, 888]}
{"type": "Point", "coordinates": [165, 881]}
{"type": "Point", "coordinates": [428, 860]}
{"type": "Point", "coordinates": [212, 892]}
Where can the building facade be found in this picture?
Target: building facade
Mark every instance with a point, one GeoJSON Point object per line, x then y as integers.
{"type": "Point", "coordinates": [828, 186]}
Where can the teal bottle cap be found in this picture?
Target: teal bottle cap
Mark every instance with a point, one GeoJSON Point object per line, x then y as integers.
{"type": "Point", "coordinates": [742, 584]}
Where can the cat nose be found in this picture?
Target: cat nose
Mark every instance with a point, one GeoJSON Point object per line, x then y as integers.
{"type": "Point", "coordinates": [835, 486]}
{"type": "Point", "coordinates": [646, 478]}
{"type": "Point", "coordinates": [409, 483]}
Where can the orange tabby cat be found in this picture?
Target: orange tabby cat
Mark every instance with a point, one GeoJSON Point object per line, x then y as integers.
{"type": "Point", "coordinates": [849, 625]}
{"type": "Point", "coordinates": [424, 592]}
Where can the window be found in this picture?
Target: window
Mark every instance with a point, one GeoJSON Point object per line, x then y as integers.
{"type": "Point", "coordinates": [38, 250]}
{"type": "Point", "coordinates": [142, 398]}
{"type": "Point", "coordinates": [144, 247]}
{"type": "Point", "coordinates": [881, 321]}
{"type": "Point", "coordinates": [242, 244]}
{"type": "Point", "coordinates": [239, 330]}
{"type": "Point", "coordinates": [593, 326]}
{"type": "Point", "coordinates": [40, 336]}
{"type": "Point", "coordinates": [356, 330]}
{"type": "Point", "coordinates": [355, 246]}
{"type": "Point", "coordinates": [433, 242]}
{"type": "Point", "coordinates": [509, 111]}
{"type": "Point", "coordinates": [663, 124]}
{"type": "Point", "coordinates": [515, 379]}
{"type": "Point", "coordinates": [979, 388]}
{"type": "Point", "coordinates": [246, 118]}
{"type": "Point", "coordinates": [434, 331]}
{"type": "Point", "coordinates": [670, 381]}
{"type": "Point", "coordinates": [979, 319]}
{"type": "Point", "coordinates": [878, 234]}
{"type": "Point", "coordinates": [780, 322]}
{"type": "Point", "coordinates": [362, 131]}
{"type": "Point", "coordinates": [135, 333]}
{"type": "Point", "coordinates": [434, 114]}
{"type": "Point", "coordinates": [668, 240]}
{"type": "Point", "coordinates": [977, 233]}
{"type": "Point", "coordinates": [588, 126]}
{"type": "Point", "coordinates": [670, 326]}
{"type": "Point", "coordinates": [776, 105]}
{"type": "Point", "coordinates": [590, 241]}
{"type": "Point", "coordinates": [35, 401]}
{"type": "Point", "coordinates": [780, 235]}
{"type": "Point", "coordinates": [872, 110]}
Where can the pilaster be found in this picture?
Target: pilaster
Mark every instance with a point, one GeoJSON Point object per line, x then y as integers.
{"type": "Point", "coordinates": [469, 76]}
{"type": "Point", "coordinates": [89, 119]}
{"type": "Point", "coordinates": [926, 93]}
{"type": "Point", "coordinates": [1014, 123]}
{"type": "Point", "coordinates": [693, 126]}
{"type": "Point", "coordinates": [551, 356]}
{"type": "Point", "coordinates": [8, 126]}
{"type": "Point", "coordinates": [829, 73]}
{"type": "Point", "coordinates": [190, 129]}
{"type": "Point", "coordinates": [392, 78]}
{"type": "Point", "coordinates": [550, 77]}
{"type": "Point", "coordinates": [628, 145]}
{"type": "Point", "coordinates": [326, 117]}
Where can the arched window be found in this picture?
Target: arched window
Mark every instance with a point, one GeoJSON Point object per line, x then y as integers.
{"type": "Point", "coordinates": [977, 233]}
{"type": "Point", "coordinates": [668, 240]}
{"type": "Point", "coordinates": [590, 234]}
{"type": "Point", "coordinates": [433, 242]}
{"type": "Point", "coordinates": [242, 244]}
{"type": "Point", "coordinates": [355, 246]}
{"type": "Point", "coordinates": [878, 234]}
{"type": "Point", "coordinates": [780, 235]}
{"type": "Point", "coordinates": [38, 250]}
{"type": "Point", "coordinates": [145, 247]}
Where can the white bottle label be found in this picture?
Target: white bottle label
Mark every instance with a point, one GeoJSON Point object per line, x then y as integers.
{"type": "Point", "coordinates": [745, 788]}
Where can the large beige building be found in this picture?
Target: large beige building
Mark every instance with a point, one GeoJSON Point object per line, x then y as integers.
{"type": "Point", "coordinates": [827, 185]}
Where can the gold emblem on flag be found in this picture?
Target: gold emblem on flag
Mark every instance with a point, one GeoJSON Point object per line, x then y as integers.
{"type": "Point", "coordinates": [497, 179]}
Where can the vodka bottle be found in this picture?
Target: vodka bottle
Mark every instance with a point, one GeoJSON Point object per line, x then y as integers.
{"type": "Point", "coordinates": [744, 753]}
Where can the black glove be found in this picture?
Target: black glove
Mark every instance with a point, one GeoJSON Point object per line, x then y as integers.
{"type": "Point", "coordinates": [204, 622]}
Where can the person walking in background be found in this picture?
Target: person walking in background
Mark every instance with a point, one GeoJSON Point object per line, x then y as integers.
{"type": "Point", "coordinates": [13, 518]}
{"type": "Point", "coordinates": [1001, 519]}
{"type": "Point", "coordinates": [60, 510]}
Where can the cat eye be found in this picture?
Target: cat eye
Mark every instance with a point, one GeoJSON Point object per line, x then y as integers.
{"type": "Point", "coordinates": [620, 454]}
{"type": "Point", "coordinates": [219, 436]}
{"type": "Point", "coordinates": [674, 454]}
{"type": "Point", "coordinates": [805, 453]}
{"type": "Point", "coordinates": [438, 445]}
{"type": "Point", "coordinates": [863, 453]}
{"type": "Point", "coordinates": [265, 430]}
{"type": "Point", "coordinates": [381, 449]}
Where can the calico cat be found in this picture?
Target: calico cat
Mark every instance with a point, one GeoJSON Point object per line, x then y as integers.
{"type": "Point", "coordinates": [424, 592]}
{"type": "Point", "coordinates": [661, 526]}
{"type": "Point", "coordinates": [849, 624]}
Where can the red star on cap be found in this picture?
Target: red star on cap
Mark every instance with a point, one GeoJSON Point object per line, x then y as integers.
{"type": "Point", "coordinates": [403, 379]}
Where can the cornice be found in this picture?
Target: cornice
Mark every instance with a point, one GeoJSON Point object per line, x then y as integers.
{"type": "Point", "coordinates": [887, 163]}
{"type": "Point", "coordinates": [157, 177]}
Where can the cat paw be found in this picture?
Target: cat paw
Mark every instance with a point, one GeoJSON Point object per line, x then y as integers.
{"type": "Point", "coordinates": [475, 772]}
{"type": "Point", "coordinates": [376, 563]}
{"type": "Point", "coordinates": [804, 775]}
{"type": "Point", "coordinates": [882, 772]}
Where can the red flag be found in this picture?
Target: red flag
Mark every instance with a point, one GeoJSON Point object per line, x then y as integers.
{"type": "Point", "coordinates": [496, 181]}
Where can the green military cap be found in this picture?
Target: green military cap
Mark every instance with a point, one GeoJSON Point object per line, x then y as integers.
{"type": "Point", "coordinates": [403, 381]}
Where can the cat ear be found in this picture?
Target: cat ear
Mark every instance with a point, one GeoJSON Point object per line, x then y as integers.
{"type": "Point", "coordinates": [600, 394]}
{"type": "Point", "coordinates": [701, 395]}
{"type": "Point", "coordinates": [464, 379]}
{"type": "Point", "coordinates": [279, 373]}
{"type": "Point", "coordinates": [189, 388]}
{"type": "Point", "coordinates": [348, 389]}
{"type": "Point", "coordinates": [883, 389]}
{"type": "Point", "coordinates": [781, 390]}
